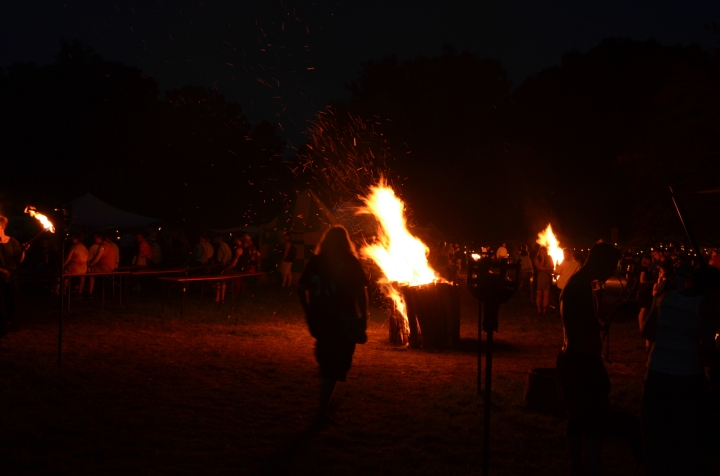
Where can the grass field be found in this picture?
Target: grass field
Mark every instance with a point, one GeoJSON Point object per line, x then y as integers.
{"type": "Point", "coordinates": [233, 390]}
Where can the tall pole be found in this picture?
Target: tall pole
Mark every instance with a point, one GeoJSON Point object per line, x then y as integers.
{"type": "Point", "coordinates": [62, 299]}
{"type": "Point", "coordinates": [479, 365]}
{"type": "Point", "coordinates": [688, 232]}
{"type": "Point", "coordinates": [490, 319]}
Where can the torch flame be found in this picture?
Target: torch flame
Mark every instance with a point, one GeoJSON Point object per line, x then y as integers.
{"type": "Point", "coordinates": [400, 255]}
{"type": "Point", "coordinates": [547, 239]}
{"type": "Point", "coordinates": [46, 224]}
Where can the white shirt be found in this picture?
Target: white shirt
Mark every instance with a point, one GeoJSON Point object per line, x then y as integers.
{"type": "Point", "coordinates": [564, 270]}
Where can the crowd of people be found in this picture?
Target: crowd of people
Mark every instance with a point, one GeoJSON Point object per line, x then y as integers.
{"type": "Point", "coordinates": [678, 302]}
{"type": "Point", "coordinates": [89, 255]}
{"type": "Point", "coordinates": [678, 317]}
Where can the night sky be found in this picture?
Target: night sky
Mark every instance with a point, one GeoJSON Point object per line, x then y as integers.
{"type": "Point", "coordinates": [284, 60]}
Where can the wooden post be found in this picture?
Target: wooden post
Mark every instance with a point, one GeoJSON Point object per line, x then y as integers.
{"type": "Point", "coordinates": [62, 302]}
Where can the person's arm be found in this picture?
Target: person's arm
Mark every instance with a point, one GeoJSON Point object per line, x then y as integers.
{"type": "Point", "coordinates": [68, 257]}
{"type": "Point", "coordinates": [23, 249]}
{"type": "Point", "coordinates": [98, 254]}
{"type": "Point", "coordinates": [238, 252]}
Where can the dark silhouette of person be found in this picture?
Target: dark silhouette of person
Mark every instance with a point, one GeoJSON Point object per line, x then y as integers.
{"type": "Point", "coordinates": [676, 416]}
{"type": "Point", "coordinates": [331, 285]}
{"type": "Point", "coordinates": [583, 380]}
{"type": "Point", "coordinates": [11, 255]}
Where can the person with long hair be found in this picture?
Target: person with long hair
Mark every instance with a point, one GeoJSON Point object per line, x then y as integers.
{"type": "Point", "coordinates": [333, 287]}
{"type": "Point", "coordinates": [582, 378]}
{"type": "Point", "coordinates": [676, 416]}
{"type": "Point", "coordinates": [644, 295]}
{"type": "Point", "coordinates": [545, 266]}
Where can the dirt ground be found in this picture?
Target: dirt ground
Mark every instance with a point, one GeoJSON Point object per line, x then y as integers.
{"type": "Point", "coordinates": [234, 390]}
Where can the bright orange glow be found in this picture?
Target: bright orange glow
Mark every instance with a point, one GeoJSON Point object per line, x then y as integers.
{"type": "Point", "coordinates": [476, 256]}
{"type": "Point", "coordinates": [41, 218]}
{"type": "Point", "coordinates": [547, 239]}
{"type": "Point", "coordinates": [401, 256]}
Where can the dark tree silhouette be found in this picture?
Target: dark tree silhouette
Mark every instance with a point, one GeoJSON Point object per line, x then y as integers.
{"type": "Point", "coordinates": [84, 124]}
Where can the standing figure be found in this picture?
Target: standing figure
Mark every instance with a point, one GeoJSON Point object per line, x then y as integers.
{"type": "Point", "coordinates": [526, 269]}
{"type": "Point", "coordinates": [11, 255]}
{"type": "Point", "coordinates": [676, 415]}
{"type": "Point", "coordinates": [715, 259]}
{"type": "Point", "coordinates": [502, 252]}
{"type": "Point", "coordinates": [76, 262]}
{"type": "Point", "coordinates": [105, 260]}
{"type": "Point", "coordinates": [330, 288]}
{"type": "Point", "coordinates": [544, 265]}
{"type": "Point", "coordinates": [582, 378]}
{"type": "Point", "coordinates": [128, 243]}
{"type": "Point", "coordinates": [156, 255]}
{"type": "Point", "coordinates": [289, 255]}
{"type": "Point", "coordinates": [644, 297]}
{"type": "Point", "coordinates": [223, 254]}
{"type": "Point", "coordinates": [567, 268]}
{"type": "Point", "coordinates": [143, 251]}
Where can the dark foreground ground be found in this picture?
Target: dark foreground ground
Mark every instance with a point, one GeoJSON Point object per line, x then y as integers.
{"type": "Point", "coordinates": [233, 391]}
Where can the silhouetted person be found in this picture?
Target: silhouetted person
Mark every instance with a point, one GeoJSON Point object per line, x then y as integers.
{"type": "Point", "coordinates": [11, 255]}
{"type": "Point", "coordinates": [583, 380]}
{"type": "Point", "coordinates": [75, 262]}
{"type": "Point", "coordinates": [644, 297]}
{"type": "Point", "coordinates": [502, 252]}
{"type": "Point", "coordinates": [289, 254]}
{"type": "Point", "coordinates": [104, 261]}
{"type": "Point", "coordinates": [223, 259]}
{"type": "Point", "coordinates": [331, 285]}
{"type": "Point", "coordinates": [714, 259]}
{"type": "Point", "coordinates": [526, 268]}
{"type": "Point", "coordinates": [676, 418]}
{"type": "Point", "coordinates": [566, 269]}
{"type": "Point", "coordinates": [143, 251]}
{"type": "Point", "coordinates": [128, 244]}
{"type": "Point", "coordinates": [544, 266]}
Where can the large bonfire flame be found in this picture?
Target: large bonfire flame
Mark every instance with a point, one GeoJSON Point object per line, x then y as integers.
{"type": "Point", "coordinates": [46, 224]}
{"type": "Point", "coordinates": [401, 256]}
{"type": "Point", "coordinates": [547, 239]}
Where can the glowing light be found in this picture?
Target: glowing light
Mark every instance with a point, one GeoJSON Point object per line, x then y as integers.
{"type": "Point", "coordinates": [547, 239]}
{"type": "Point", "coordinates": [401, 256]}
{"type": "Point", "coordinates": [475, 256]}
{"type": "Point", "coordinates": [46, 224]}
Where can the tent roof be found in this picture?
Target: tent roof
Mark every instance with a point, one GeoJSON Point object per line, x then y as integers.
{"type": "Point", "coordinates": [89, 210]}
{"type": "Point", "coordinates": [243, 229]}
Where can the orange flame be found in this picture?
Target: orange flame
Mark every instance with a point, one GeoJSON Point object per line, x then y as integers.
{"type": "Point", "coordinates": [547, 239]}
{"type": "Point", "coordinates": [400, 255]}
{"type": "Point", "coordinates": [46, 224]}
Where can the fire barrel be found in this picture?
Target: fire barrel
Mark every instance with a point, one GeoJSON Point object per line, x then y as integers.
{"type": "Point", "coordinates": [433, 312]}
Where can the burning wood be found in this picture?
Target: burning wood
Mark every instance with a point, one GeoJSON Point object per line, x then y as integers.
{"type": "Point", "coordinates": [401, 256]}
{"type": "Point", "coordinates": [547, 239]}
